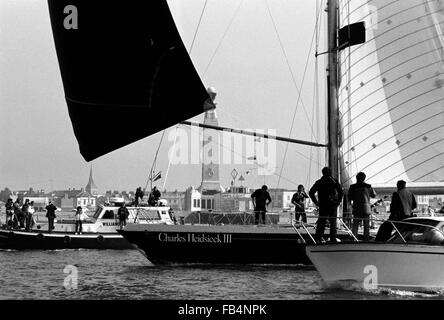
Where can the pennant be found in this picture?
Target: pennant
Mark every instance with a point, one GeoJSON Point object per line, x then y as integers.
{"type": "Point", "coordinates": [157, 176]}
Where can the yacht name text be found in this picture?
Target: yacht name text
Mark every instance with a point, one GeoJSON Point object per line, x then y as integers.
{"type": "Point", "coordinates": [195, 237]}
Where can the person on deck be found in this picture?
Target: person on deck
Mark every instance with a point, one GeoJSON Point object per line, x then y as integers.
{"type": "Point", "coordinates": [17, 213]}
{"type": "Point", "coordinates": [123, 214]}
{"type": "Point", "coordinates": [138, 195]}
{"type": "Point", "coordinates": [154, 197]}
{"type": "Point", "coordinates": [9, 213]}
{"type": "Point", "coordinates": [80, 217]}
{"type": "Point", "coordinates": [298, 200]}
{"type": "Point", "coordinates": [23, 214]}
{"type": "Point", "coordinates": [330, 195]}
{"type": "Point", "coordinates": [50, 214]}
{"type": "Point", "coordinates": [401, 207]}
{"type": "Point", "coordinates": [261, 199]}
{"type": "Point", "coordinates": [29, 216]}
{"type": "Point", "coordinates": [359, 194]}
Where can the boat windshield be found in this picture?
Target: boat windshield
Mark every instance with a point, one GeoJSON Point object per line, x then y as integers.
{"type": "Point", "coordinates": [425, 231]}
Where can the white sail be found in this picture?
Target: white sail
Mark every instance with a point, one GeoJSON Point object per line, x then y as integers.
{"type": "Point", "coordinates": [391, 93]}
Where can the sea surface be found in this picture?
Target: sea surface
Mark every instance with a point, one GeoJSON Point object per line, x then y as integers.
{"type": "Point", "coordinates": [126, 274]}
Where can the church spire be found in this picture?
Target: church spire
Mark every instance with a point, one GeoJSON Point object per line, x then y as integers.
{"type": "Point", "coordinates": [91, 186]}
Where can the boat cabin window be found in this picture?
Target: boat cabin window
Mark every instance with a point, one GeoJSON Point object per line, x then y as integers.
{"type": "Point", "coordinates": [109, 214]}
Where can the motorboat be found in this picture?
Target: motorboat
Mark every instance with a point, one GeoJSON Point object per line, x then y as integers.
{"type": "Point", "coordinates": [409, 257]}
{"type": "Point", "coordinates": [99, 231]}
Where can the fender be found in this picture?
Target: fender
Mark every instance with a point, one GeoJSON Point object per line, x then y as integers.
{"type": "Point", "coordinates": [100, 239]}
{"type": "Point", "coordinates": [66, 239]}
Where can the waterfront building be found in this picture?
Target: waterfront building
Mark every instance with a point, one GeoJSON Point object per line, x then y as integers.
{"type": "Point", "coordinates": [192, 200]}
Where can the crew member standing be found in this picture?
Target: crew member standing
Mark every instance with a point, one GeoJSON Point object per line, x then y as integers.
{"type": "Point", "coordinates": [50, 214]}
{"type": "Point", "coordinates": [401, 207]}
{"type": "Point", "coordinates": [29, 216]}
{"type": "Point", "coordinates": [261, 199]}
{"type": "Point", "coordinates": [123, 214]}
{"type": "Point", "coordinates": [80, 217]}
{"type": "Point", "coordinates": [298, 200]}
{"type": "Point", "coordinates": [9, 213]}
{"type": "Point", "coordinates": [138, 195]}
{"type": "Point", "coordinates": [154, 197]}
{"type": "Point", "coordinates": [359, 194]}
{"type": "Point", "coordinates": [329, 197]}
{"type": "Point", "coordinates": [24, 214]}
{"type": "Point", "coordinates": [17, 213]}
{"type": "Point", "coordinates": [403, 203]}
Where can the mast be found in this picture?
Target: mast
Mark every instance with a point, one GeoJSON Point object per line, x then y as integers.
{"type": "Point", "coordinates": [332, 79]}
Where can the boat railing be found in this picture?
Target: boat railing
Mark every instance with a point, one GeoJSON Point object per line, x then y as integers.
{"type": "Point", "coordinates": [141, 213]}
{"type": "Point", "coordinates": [394, 223]}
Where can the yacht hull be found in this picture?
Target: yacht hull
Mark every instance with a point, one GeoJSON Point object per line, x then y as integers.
{"type": "Point", "coordinates": [374, 265]}
{"type": "Point", "coordinates": [233, 244]}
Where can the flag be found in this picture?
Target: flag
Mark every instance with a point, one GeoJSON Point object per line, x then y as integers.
{"type": "Point", "coordinates": [156, 176]}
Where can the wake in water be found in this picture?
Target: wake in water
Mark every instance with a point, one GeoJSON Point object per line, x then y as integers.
{"type": "Point", "coordinates": [352, 286]}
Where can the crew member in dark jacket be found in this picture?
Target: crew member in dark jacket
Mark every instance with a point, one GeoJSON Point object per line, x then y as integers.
{"type": "Point", "coordinates": [401, 207]}
{"type": "Point", "coordinates": [17, 213]}
{"type": "Point", "coordinates": [154, 197]}
{"type": "Point", "coordinates": [360, 194]}
{"type": "Point", "coordinates": [9, 213]}
{"type": "Point", "coordinates": [403, 203]}
{"type": "Point", "coordinates": [123, 214]}
{"type": "Point", "coordinates": [139, 195]}
{"type": "Point", "coordinates": [50, 214]}
{"type": "Point", "coordinates": [261, 199]}
{"type": "Point", "coordinates": [329, 197]}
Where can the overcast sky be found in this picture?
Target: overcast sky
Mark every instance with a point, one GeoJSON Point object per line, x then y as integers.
{"type": "Point", "coordinates": [249, 71]}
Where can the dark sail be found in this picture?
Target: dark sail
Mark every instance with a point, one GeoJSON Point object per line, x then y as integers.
{"type": "Point", "coordinates": [125, 71]}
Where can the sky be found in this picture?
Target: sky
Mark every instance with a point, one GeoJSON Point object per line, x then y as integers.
{"type": "Point", "coordinates": [245, 63]}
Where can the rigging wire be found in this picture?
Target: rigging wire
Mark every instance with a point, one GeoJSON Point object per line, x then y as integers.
{"type": "Point", "coordinates": [294, 82]}
{"type": "Point", "coordinates": [169, 158]}
{"type": "Point", "coordinates": [197, 28]}
{"type": "Point", "coordinates": [315, 90]}
{"type": "Point", "coordinates": [291, 71]}
{"type": "Point", "coordinates": [223, 37]}
{"type": "Point", "coordinates": [153, 167]}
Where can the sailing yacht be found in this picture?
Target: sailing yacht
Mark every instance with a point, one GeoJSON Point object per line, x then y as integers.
{"type": "Point", "coordinates": [385, 105]}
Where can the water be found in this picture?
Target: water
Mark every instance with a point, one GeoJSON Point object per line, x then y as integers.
{"type": "Point", "coordinates": [127, 274]}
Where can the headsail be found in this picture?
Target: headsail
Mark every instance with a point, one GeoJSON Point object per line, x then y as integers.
{"type": "Point", "coordinates": [125, 71]}
{"type": "Point", "coordinates": [391, 94]}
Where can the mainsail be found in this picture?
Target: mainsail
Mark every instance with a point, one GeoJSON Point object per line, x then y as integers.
{"type": "Point", "coordinates": [391, 92]}
{"type": "Point", "coordinates": [125, 71]}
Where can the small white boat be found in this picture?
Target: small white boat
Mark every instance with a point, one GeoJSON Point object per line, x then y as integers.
{"type": "Point", "coordinates": [412, 258]}
{"type": "Point", "coordinates": [99, 231]}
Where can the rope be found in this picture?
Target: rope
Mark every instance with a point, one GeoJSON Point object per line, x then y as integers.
{"type": "Point", "coordinates": [223, 37]}
{"type": "Point", "coordinates": [294, 82]}
{"type": "Point", "coordinates": [169, 159]}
